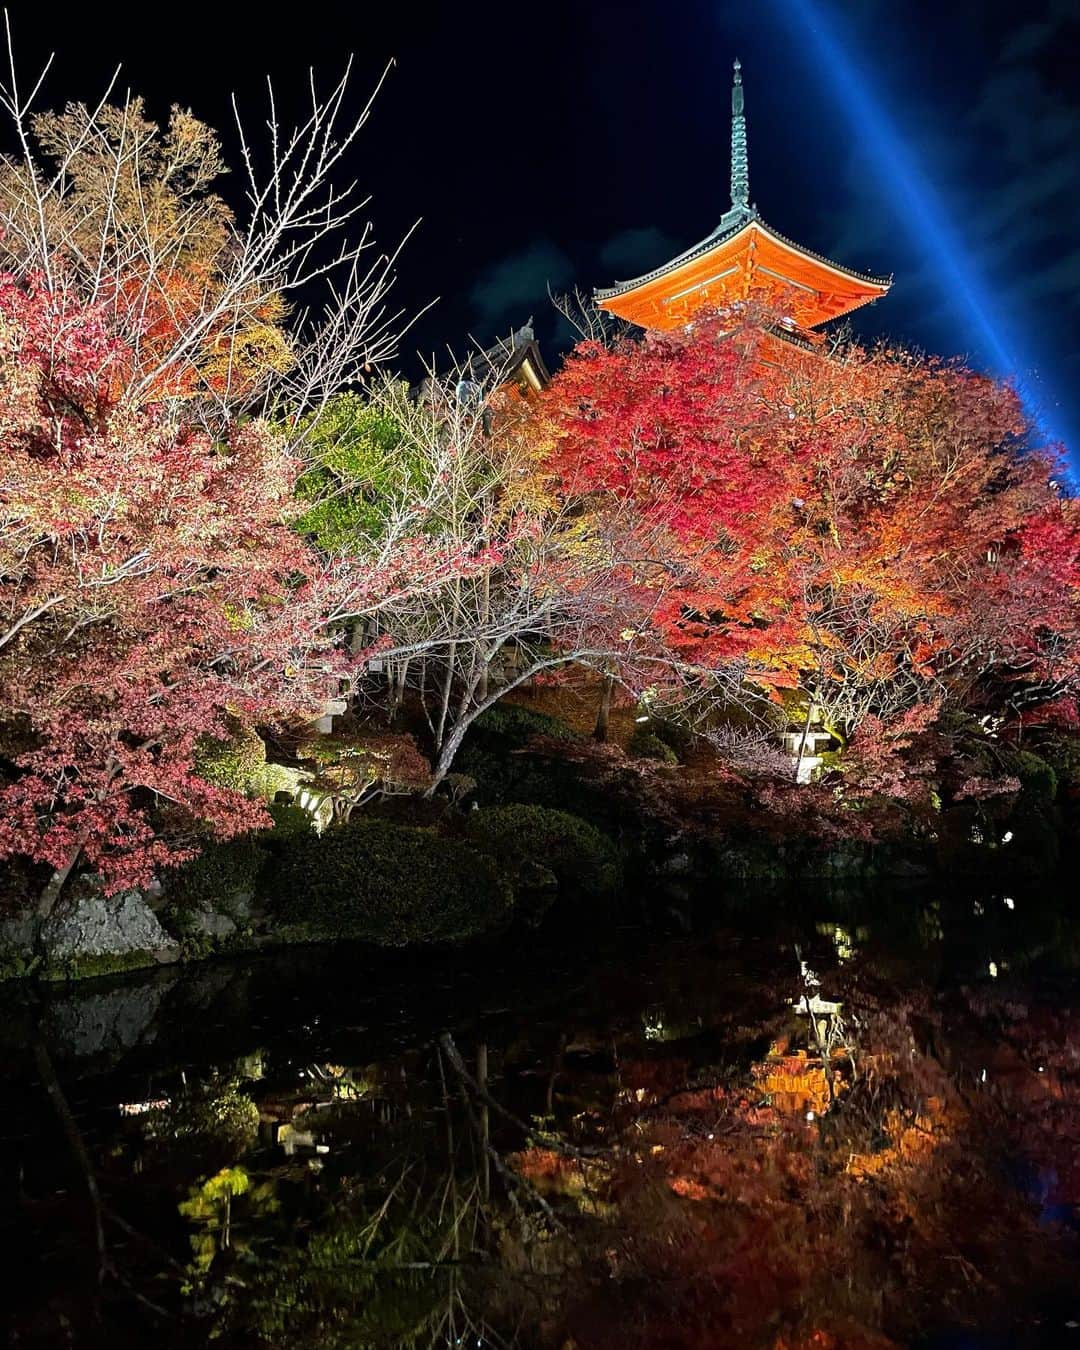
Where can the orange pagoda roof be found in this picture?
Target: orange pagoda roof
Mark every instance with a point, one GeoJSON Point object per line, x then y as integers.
{"type": "Point", "coordinates": [744, 259]}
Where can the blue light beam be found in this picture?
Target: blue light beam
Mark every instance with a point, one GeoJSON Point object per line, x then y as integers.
{"type": "Point", "coordinates": [921, 207]}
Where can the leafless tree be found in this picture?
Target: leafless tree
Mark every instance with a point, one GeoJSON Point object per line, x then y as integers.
{"type": "Point", "coordinates": [535, 580]}
{"type": "Point", "coordinates": [588, 321]}
{"type": "Point", "coordinates": [105, 202]}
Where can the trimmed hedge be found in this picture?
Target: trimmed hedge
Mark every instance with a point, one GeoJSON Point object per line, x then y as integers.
{"type": "Point", "coordinates": [388, 884]}
{"type": "Point", "coordinates": [515, 726]}
{"type": "Point", "coordinates": [219, 873]}
{"type": "Point", "coordinates": [234, 868]}
{"type": "Point", "coordinates": [494, 754]}
{"type": "Point", "coordinates": [1038, 779]}
{"type": "Point", "coordinates": [660, 739]}
{"type": "Point", "coordinates": [579, 855]}
{"type": "Point", "coordinates": [1062, 753]}
{"type": "Point", "coordinates": [645, 744]}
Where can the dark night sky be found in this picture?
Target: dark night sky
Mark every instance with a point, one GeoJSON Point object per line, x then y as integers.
{"type": "Point", "coordinates": [584, 142]}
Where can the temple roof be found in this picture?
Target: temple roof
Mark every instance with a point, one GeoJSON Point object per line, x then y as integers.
{"type": "Point", "coordinates": [730, 225]}
{"type": "Point", "coordinates": [517, 357]}
{"type": "Point", "coordinates": [742, 241]}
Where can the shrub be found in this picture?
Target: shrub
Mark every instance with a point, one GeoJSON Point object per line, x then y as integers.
{"type": "Point", "coordinates": [389, 884]}
{"type": "Point", "coordinates": [676, 735]}
{"type": "Point", "coordinates": [226, 871]}
{"type": "Point", "coordinates": [1037, 778]}
{"type": "Point", "coordinates": [290, 820]}
{"type": "Point", "coordinates": [1063, 754]}
{"type": "Point", "coordinates": [221, 872]}
{"type": "Point", "coordinates": [646, 744]}
{"type": "Point", "coordinates": [492, 755]}
{"type": "Point", "coordinates": [240, 763]}
{"type": "Point", "coordinates": [516, 726]}
{"type": "Point", "coordinates": [578, 854]}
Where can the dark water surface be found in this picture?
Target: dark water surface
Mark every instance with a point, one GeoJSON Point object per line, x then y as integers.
{"type": "Point", "coordinates": [790, 1120]}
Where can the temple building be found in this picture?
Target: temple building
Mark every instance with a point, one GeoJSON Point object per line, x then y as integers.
{"type": "Point", "coordinates": [745, 260]}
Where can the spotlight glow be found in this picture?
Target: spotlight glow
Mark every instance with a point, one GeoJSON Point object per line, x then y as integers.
{"type": "Point", "coordinates": [919, 206]}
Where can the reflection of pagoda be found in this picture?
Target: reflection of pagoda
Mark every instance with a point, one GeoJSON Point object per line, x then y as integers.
{"type": "Point", "coordinates": [742, 260]}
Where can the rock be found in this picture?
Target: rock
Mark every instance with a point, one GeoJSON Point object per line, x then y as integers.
{"type": "Point", "coordinates": [238, 906]}
{"type": "Point", "coordinates": [86, 1024]}
{"type": "Point", "coordinates": [210, 924]}
{"type": "Point", "coordinates": [96, 934]}
{"type": "Point", "coordinates": [17, 945]}
{"type": "Point", "coordinates": [155, 896]}
{"type": "Point", "coordinates": [676, 865]}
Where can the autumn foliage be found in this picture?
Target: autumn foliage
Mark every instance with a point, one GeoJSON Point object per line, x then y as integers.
{"type": "Point", "coordinates": [199, 529]}
{"type": "Point", "coordinates": [873, 531]}
{"type": "Point", "coordinates": [150, 584]}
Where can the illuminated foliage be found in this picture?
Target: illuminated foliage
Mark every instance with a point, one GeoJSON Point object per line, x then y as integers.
{"type": "Point", "coordinates": [871, 530]}
{"type": "Point", "coordinates": [132, 206]}
{"type": "Point", "coordinates": [146, 591]}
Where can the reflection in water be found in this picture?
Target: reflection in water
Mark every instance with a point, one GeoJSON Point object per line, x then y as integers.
{"type": "Point", "coordinates": [837, 1133]}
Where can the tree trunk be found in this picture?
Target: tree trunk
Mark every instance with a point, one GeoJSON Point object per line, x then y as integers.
{"type": "Point", "coordinates": [55, 884]}
{"type": "Point", "coordinates": [600, 731]}
{"type": "Point", "coordinates": [485, 1119]}
{"type": "Point", "coordinates": [77, 1146]}
{"type": "Point", "coordinates": [401, 675]}
{"type": "Point", "coordinates": [449, 748]}
{"type": "Point", "coordinates": [444, 705]}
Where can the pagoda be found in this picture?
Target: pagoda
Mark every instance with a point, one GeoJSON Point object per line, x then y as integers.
{"type": "Point", "coordinates": [745, 260]}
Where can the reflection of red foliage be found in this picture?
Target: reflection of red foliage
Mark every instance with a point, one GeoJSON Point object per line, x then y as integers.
{"type": "Point", "coordinates": [1036, 1078]}
{"type": "Point", "coordinates": [795, 1084]}
{"type": "Point", "coordinates": [738, 1223]}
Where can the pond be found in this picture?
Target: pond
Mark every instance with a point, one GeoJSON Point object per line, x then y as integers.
{"type": "Point", "coordinates": [817, 1118]}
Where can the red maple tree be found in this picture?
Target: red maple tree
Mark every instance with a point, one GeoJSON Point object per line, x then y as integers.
{"type": "Point", "coordinates": [873, 530]}
{"type": "Point", "coordinates": [150, 584]}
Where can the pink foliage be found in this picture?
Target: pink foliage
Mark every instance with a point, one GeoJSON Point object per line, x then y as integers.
{"type": "Point", "coordinates": [149, 582]}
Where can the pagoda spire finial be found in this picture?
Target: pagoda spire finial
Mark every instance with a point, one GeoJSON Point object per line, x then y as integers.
{"type": "Point", "coordinates": [740, 159]}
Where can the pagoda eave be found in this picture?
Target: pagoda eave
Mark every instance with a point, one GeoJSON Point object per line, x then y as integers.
{"type": "Point", "coordinates": [749, 259]}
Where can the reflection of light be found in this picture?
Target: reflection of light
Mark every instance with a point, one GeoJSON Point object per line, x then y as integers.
{"type": "Point", "coordinates": [1010, 903]}
{"type": "Point", "coordinates": [916, 201]}
{"type": "Point", "coordinates": [842, 941]}
{"type": "Point", "coordinates": [140, 1108]}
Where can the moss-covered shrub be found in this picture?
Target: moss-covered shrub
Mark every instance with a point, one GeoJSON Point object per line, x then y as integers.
{"type": "Point", "coordinates": [1038, 781]}
{"type": "Point", "coordinates": [289, 820]}
{"type": "Point", "coordinates": [240, 763]}
{"type": "Point", "coordinates": [579, 855]}
{"type": "Point", "coordinates": [646, 744]}
{"type": "Point", "coordinates": [388, 884]}
{"type": "Point", "coordinates": [221, 873]}
{"type": "Point", "coordinates": [494, 755]}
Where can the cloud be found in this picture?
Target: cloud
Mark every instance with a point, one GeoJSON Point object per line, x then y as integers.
{"type": "Point", "coordinates": [631, 252]}
{"type": "Point", "coordinates": [515, 287]}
